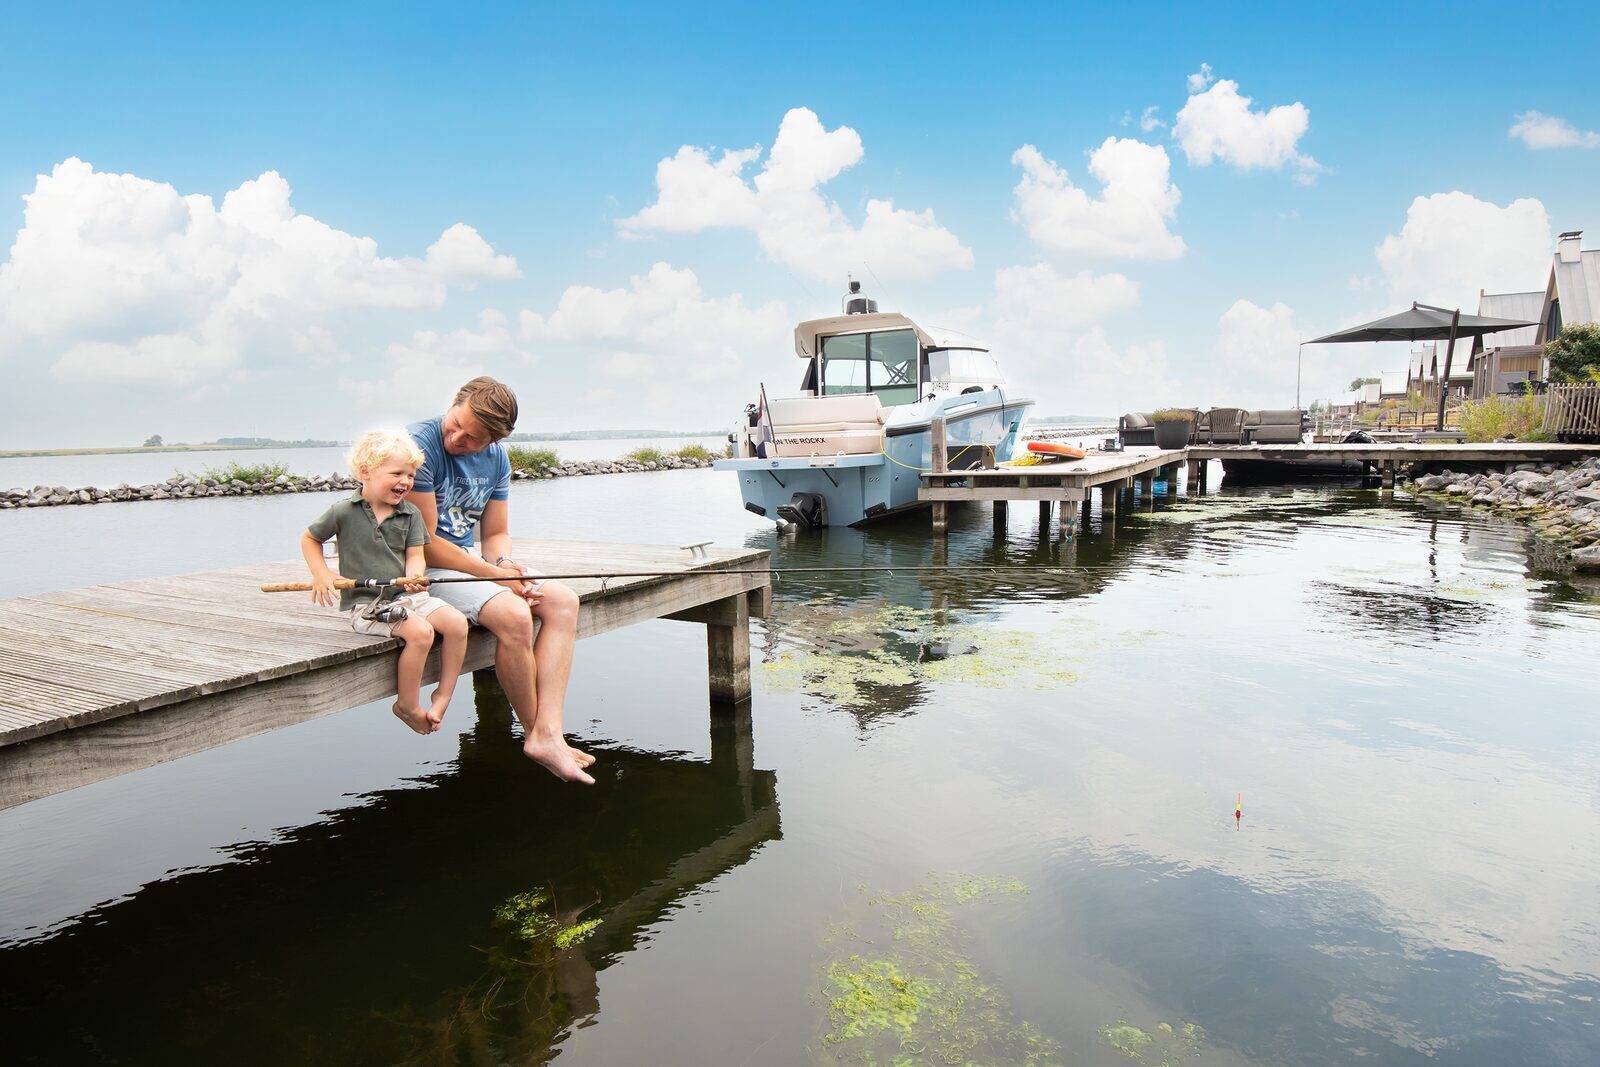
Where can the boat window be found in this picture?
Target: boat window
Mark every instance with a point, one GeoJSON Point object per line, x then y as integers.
{"type": "Point", "coordinates": [844, 364]}
{"type": "Point", "coordinates": [883, 363]}
{"type": "Point", "coordinates": [962, 365]}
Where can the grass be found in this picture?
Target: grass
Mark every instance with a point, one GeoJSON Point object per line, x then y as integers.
{"type": "Point", "coordinates": [253, 474]}
{"type": "Point", "coordinates": [538, 460]}
{"type": "Point", "coordinates": [646, 455]}
{"type": "Point", "coordinates": [695, 453]}
{"type": "Point", "coordinates": [1495, 417]}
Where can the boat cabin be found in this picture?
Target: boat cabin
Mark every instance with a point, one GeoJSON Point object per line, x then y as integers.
{"type": "Point", "coordinates": [887, 355]}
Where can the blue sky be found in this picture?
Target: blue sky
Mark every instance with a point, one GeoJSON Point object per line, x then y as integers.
{"type": "Point", "coordinates": [525, 142]}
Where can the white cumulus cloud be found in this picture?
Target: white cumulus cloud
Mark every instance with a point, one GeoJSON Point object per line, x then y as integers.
{"type": "Point", "coordinates": [432, 365]}
{"type": "Point", "coordinates": [114, 277]}
{"type": "Point", "coordinates": [661, 325]}
{"type": "Point", "coordinates": [795, 224]}
{"type": "Point", "coordinates": [1453, 244]}
{"type": "Point", "coordinates": [1151, 119]}
{"type": "Point", "coordinates": [1201, 78]}
{"type": "Point", "coordinates": [1263, 340]}
{"type": "Point", "coordinates": [1537, 131]}
{"type": "Point", "coordinates": [1041, 301]}
{"type": "Point", "coordinates": [1218, 125]}
{"type": "Point", "coordinates": [1128, 220]}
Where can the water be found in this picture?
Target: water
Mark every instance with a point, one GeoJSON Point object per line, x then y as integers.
{"type": "Point", "coordinates": [141, 468]}
{"type": "Point", "coordinates": [1013, 792]}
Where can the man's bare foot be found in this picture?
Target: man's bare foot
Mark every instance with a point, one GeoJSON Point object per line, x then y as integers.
{"type": "Point", "coordinates": [437, 709]}
{"type": "Point", "coordinates": [553, 755]}
{"type": "Point", "coordinates": [414, 717]}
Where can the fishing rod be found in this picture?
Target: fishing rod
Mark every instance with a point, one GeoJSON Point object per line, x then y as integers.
{"type": "Point", "coordinates": [775, 572]}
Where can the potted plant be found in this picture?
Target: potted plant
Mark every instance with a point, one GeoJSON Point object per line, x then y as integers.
{"type": "Point", "coordinates": [1173, 426]}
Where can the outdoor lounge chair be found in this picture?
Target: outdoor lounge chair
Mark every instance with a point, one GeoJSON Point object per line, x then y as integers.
{"type": "Point", "coordinates": [1281, 426]}
{"type": "Point", "coordinates": [1226, 426]}
{"type": "Point", "coordinates": [1137, 428]}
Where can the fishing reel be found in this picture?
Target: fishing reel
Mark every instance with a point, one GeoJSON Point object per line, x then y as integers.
{"type": "Point", "coordinates": [387, 612]}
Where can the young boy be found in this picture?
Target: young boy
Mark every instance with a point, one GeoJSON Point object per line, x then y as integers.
{"type": "Point", "coordinates": [381, 535]}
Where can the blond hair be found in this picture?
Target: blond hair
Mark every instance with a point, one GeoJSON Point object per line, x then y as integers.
{"type": "Point", "coordinates": [494, 404]}
{"type": "Point", "coordinates": [376, 446]}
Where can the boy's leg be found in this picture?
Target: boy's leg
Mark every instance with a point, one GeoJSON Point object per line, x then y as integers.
{"type": "Point", "coordinates": [417, 636]}
{"type": "Point", "coordinates": [451, 626]}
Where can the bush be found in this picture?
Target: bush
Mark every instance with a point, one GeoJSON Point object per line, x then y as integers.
{"type": "Point", "coordinates": [1575, 355]}
{"type": "Point", "coordinates": [255, 474]}
{"type": "Point", "coordinates": [1495, 417]}
{"type": "Point", "coordinates": [1173, 415]}
{"type": "Point", "coordinates": [537, 460]}
{"type": "Point", "coordinates": [646, 455]}
{"type": "Point", "coordinates": [695, 453]}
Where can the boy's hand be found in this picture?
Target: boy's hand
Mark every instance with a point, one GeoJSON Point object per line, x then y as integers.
{"type": "Point", "coordinates": [322, 590]}
{"type": "Point", "coordinates": [414, 583]}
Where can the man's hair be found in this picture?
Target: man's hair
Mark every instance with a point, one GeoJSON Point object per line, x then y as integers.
{"type": "Point", "coordinates": [376, 446]}
{"type": "Point", "coordinates": [494, 404]}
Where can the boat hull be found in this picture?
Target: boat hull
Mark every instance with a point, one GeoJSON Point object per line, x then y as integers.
{"type": "Point", "coordinates": [860, 488]}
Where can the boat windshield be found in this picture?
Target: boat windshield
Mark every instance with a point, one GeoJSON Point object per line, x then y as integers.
{"type": "Point", "coordinates": [962, 365]}
{"type": "Point", "coordinates": [884, 363]}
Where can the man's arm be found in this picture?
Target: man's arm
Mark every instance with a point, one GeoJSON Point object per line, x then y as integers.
{"type": "Point", "coordinates": [496, 528]}
{"type": "Point", "coordinates": [442, 552]}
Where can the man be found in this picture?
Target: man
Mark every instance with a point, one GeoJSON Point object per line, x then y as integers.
{"type": "Point", "coordinates": [464, 482]}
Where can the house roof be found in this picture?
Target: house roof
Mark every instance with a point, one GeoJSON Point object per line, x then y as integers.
{"type": "Point", "coordinates": [1524, 306]}
{"type": "Point", "coordinates": [1577, 286]}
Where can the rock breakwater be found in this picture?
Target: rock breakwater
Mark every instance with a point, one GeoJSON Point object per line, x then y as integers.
{"type": "Point", "coordinates": [1562, 503]}
{"type": "Point", "coordinates": [191, 486]}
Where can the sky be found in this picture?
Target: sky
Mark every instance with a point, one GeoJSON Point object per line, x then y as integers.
{"type": "Point", "coordinates": [307, 220]}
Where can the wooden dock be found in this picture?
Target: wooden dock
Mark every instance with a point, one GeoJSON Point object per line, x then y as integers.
{"type": "Point", "coordinates": [108, 679]}
{"type": "Point", "coordinates": [1069, 481]}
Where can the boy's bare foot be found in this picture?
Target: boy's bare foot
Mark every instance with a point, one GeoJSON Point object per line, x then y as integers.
{"type": "Point", "coordinates": [580, 757]}
{"type": "Point", "coordinates": [553, 755]}
{"type": "Point", "coordinates": [414, 717]}
{"type": "Point", "coordinates": [437, 709]}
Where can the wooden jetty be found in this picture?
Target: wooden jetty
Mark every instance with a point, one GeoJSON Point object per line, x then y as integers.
{"type": "Point", "coordinates": [108, 679]}
{"type": "Point", "coordinates": [1069, 482]}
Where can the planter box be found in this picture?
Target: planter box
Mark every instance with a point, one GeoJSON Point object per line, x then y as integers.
{"type": "Point", "coordinates": [1173, 434]}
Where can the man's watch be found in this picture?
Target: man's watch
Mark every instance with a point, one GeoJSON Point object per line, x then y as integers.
{"type": "Point", "coordinates": [503, 560]}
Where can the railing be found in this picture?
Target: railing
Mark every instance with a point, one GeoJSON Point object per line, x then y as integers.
{"type": "Point", "coordinates": [1572, 410]}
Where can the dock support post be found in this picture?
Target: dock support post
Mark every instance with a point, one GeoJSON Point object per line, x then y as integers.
{"type": "Point", "coordinates": [1000, 516]}
{"type": "Point", "coordinates": [936, 451]}
{"type": "Point", "coordinates": [1044, 514]}
{"type": "Point", "coordinates": [728, 651]}
{"type": "Point", "coordinates": [1386, 474]}
{"type": "Point", "coordinates": [1108, 499]}
{"type": "Point", "coordinates": [1147, 486]}
{"type": "Point", "coordinates": [1191, 475]}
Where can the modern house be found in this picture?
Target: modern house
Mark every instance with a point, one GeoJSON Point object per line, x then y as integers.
{"type": "Point", "coordinates": [1501, 361]}
{"type": "Point", "coordinates": [1573, 292]}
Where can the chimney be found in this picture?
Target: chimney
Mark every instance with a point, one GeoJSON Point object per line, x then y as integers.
{"type": "Point", "coordinates": [1567, 246]}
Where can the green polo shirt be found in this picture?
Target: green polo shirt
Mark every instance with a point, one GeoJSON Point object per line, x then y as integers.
{"type": "Point", "coordinates": [369, 548]}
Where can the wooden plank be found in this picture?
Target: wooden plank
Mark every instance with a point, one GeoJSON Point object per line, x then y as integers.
{"type": "Point", "coordinates": [1001, 492]}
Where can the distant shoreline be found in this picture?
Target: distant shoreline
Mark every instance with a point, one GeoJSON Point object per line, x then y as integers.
{"type": "Point", "coordinates": [120, 450]}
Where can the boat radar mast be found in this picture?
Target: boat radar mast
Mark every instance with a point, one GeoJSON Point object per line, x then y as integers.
{"type": "Point", "coordinates": [856, 302]}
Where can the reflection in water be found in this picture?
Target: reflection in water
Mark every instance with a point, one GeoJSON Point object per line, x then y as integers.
{"type": "Point", "coordinates": [1400, 689]}
{"type": "Point", "coordinates": [373, 937]}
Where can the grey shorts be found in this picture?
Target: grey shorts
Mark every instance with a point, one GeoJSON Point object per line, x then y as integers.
{"type": "Point", "coordinates": [466, 597]}
{"type": "Point", "coordinates": [419, 604]}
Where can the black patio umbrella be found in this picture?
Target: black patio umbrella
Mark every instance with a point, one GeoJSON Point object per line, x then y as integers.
{"type": "Point", "coordinates": [1424, 322]}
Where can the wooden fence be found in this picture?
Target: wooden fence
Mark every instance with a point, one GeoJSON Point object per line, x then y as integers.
{"type": "Point", "coordinates": [1572, 411]}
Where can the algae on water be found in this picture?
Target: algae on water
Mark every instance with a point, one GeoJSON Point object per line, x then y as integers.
{"type": "Point", "coordinates": [911, 993]}
{"type": "Point", "coordinates": [1165, 1046]}
{"type": "Point", "coordinates": [842, 654]}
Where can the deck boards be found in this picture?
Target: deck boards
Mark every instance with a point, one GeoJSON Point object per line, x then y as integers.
{"type": "Point", "coordinates": [99, 680]}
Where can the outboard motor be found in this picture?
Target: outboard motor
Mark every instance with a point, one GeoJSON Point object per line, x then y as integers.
{"type": "Point", "coordinates": [807, 510]}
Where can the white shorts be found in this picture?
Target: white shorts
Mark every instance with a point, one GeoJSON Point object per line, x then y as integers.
{"type": "Point", "coordinates": [420, 604]}
{"type": "Point", "coordinates": [469, 597]}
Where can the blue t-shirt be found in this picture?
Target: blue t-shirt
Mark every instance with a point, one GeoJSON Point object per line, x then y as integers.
{"type": "Point", "coordinates": [462, 486]}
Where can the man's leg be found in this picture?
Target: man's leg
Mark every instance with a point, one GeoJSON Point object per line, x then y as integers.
{"type": "Point", "coordinates": [506, 616]}
{"type": "Point", "coordinates": [557, 612]}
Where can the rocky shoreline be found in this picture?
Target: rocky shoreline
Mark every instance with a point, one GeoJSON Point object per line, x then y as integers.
{"type": "Point", "coordinates": [1563, 503]}
{"type": "Point", "coordinates": [187, 487]}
